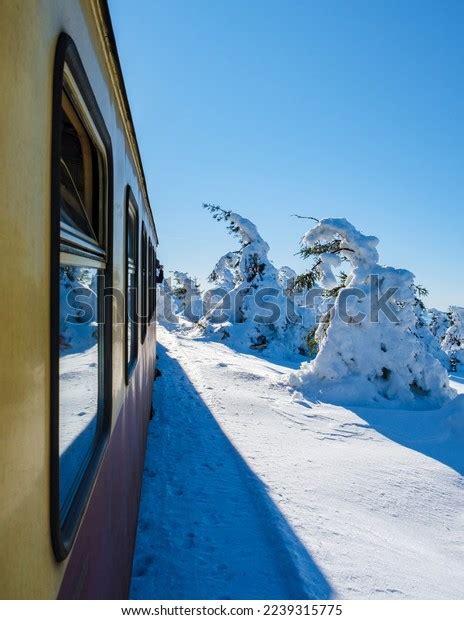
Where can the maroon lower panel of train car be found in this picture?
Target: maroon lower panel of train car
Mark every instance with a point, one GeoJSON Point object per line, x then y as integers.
{"type": "Point", "coordinates": [101, 558]}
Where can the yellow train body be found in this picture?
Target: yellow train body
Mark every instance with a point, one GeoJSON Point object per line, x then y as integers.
{"type": "Point", "coordinates": [29, 32]}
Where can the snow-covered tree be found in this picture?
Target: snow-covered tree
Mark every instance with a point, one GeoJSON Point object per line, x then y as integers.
{"type": "Point", "coordinates": [251, 263]}
{"type": "Point", "coordinates": [443, 333]}
{"type": "Point", "coordinates": [78, 309]}
{"type": "Point", "coordinates": [423, 329]}
{"type": "Point", "coordinates": [439, 323]}
{"type": "Point", "coordinates": [179, 297]}
{"type": "Point", "coordinates": [369, 348]}
{"type": "Point", "coordinates": [453, 339]}
{"type": "Point", "coordinates": [164, 300]}
{"type": "Point", "coordinates": [429, 327]}
{"type": "Point", "coordinates": [224, 274]}
{"type": "Point", "coordinates": [286, 278]}
{"type": "Point", "coordinates": [254, 309]}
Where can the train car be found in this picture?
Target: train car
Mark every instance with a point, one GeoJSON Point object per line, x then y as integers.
{"type": "Point", "coordinates": [78, 337]}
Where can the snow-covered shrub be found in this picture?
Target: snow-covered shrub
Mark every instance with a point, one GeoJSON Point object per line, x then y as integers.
{"type": "Point", "coordinates": [225, 272]}
{"type": "Point", "coordinates": [164, 300]}
{"type": "Point", "coordinates": [179, 297]}
{"type": "Point", "coordinates": [443, 333]}
{"type": "Point", "coordinates": [186, 295]}
{"type": "Point", "coordinates": [439, 323]}
{"type": "Point", "coordinates": [253, 307]}
{"type": "Point", "coordinates": [369, 349]}
{"type": "Point", "coordinates": [430, 329]}
{"type": "Point", "coordinates": [286, 278]}
{"type": "Point", "coordinates": [453, 339]}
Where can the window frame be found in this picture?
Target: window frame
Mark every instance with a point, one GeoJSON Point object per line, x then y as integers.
{"type": "Point", "coordinates": [151, 281]}
{"type": "Point", "coordinates": [131, 204]}
{"type": "Point", "coordinates": [69, 76]}
{"type": "Point", "coordinates": [154, 282]}
{"type": "Point", "coordinates": [144, 319]}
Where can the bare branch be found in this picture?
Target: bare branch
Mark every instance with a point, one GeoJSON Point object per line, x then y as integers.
{"type": "Point", "coordinates": [305, 217]}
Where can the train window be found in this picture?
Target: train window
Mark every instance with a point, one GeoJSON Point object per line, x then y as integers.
{"type": "Point", "coordinates": [131, 283]}
{"type": "Point", "coordinates": [82, 265]}
{"type": "Point", "coordinates": [78, 165]}
{"type": "Point", "coordinates": [144, 276]}
{"type": "Point", "coordinates": [150, 280]}
{"type": "Point", "coordinates": [153, 281]}
{"type": "Point", "coordinates": [81, 339]}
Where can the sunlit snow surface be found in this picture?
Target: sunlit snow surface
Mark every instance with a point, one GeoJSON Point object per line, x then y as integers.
{"type": "Point", "coordinates": [250, 492]}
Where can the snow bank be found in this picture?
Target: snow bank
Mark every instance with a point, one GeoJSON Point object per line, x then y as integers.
{"type": "Point", "coordinates": [366, 355]}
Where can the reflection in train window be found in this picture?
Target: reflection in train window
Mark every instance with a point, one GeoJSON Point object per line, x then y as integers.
{"type": "Point", "coordinates": [79, 372]}
{"type": "Point", "coordinates": [131, 284]}
{"type": "Point", "coordinates": [144, 276]}
{"type": "Point", "coordinates": [82, 265]}
{"type": "Point", "coordinates": [151, 281]}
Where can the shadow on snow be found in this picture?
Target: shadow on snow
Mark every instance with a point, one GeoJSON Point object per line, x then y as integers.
{"type": "Point", "coordinates": [428, 432]}
{"type": "Point", "coordinates": [208, 528]}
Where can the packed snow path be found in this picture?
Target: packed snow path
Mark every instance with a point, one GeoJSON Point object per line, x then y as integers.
{"type": "Point", "coordinates": [249, 493]}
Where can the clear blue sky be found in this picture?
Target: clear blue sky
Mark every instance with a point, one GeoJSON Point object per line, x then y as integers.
{"type": "Point", "coordinates": [326, 108]}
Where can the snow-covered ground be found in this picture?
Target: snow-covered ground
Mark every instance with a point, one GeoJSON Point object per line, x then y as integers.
{"type": "Point", "coordinates": [250, 492]}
